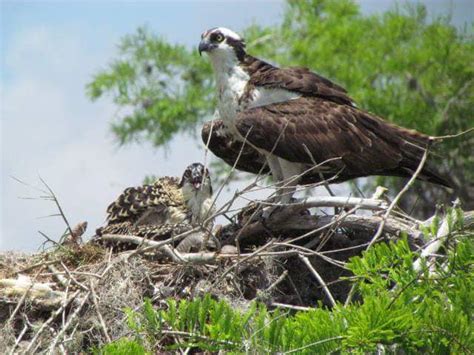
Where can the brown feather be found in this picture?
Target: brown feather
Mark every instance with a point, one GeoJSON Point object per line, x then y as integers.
{"type": "Point", "coordinates": [316, 130]}
{"type": "Point", "coordinates": [134, 201]}
{"type": "Point", "coordinates": [295, 79]}
{"type": "Point", "coordinates": [224, 146]}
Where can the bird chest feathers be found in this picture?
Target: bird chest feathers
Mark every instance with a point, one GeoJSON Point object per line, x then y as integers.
{"type": "Point", "coordinates": [201, 208]}
{"type": "Point", "coordinates": [231, 84]}
{"type": "Point", "coordinates": [199, 203]}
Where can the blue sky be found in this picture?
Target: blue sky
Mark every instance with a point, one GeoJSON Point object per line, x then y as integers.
{"type": "Point", "coordinates": [50, 50]}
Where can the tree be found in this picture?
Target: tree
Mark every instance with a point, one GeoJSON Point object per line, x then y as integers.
{"type": "Point", "coordinates": [416, 73]}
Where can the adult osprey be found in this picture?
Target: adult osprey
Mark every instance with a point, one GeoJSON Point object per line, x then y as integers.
{"type": "Point", "coordinates": [295, 119]}
{"type": "Point", "coordinates": [165, 208]}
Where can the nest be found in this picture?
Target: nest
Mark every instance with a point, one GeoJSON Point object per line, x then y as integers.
{"type": "Point", "coordinates": [73, 296]}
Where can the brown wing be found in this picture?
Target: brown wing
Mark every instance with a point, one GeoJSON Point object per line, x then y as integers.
{"type": "Point", "coordinates": [134, 201]}
{"type": "Point", "coordinates": [296, 79]}
{"type": "Point", "coordinates": [308, 130]}
{"type": "Point", "coordinates": [224, 146]}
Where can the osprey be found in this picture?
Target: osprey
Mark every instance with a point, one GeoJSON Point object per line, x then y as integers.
{"type": "Point", "coordinates": [165, 208]}
{"type": "Point", "coordinates": [300, 124]}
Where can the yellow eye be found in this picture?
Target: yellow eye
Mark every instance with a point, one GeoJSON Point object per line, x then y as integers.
{"type": "Point", "coordinates": [219, 38]}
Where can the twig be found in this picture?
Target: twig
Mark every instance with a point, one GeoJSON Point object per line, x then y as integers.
{"type": "Point", "coordinates": [325, 182]}
{"type": "Point", "coordinates": [96, 305]}
{"type": "Point", "coordinates": [49, 321]}
{"type": "Point", "coordinates": [72, 278]}
{"type": "Point", "coordinates": [22, 299]}
{"type": "Point", "coordinates": [277, 281]}
{"type": "Point", "coordinates": [434, 245]}
{"type": "Point", "coordinates": [397, 198]}
{"type": "Point", "coordinates": [43, 263]}
{"type": "Point", "coordinates": [314, 344]}
{"type": "Point", "coordinates": [350, 295]}
{"type": "Point", "coordinates": [68, 323]}
{"type": "Point", "coordinates": [232, 169]}
{"type": "Point", "coordinates": [54, 198]}
{"type": "Point", "coordinates": [334, 201]}
{"type": "Point", "coordinates": [305, 251]}
{"type": "Point", "coordinates": [18, 339]}
{"type": "Point", "coordinates": [452, 135]}
{"type": "Point", "coordinates": [233, 266]}
{"type": "Point", "coordinates": [152, 244]}
{"type": "Point", "coordinates": [48, 239]}
{"type": "Point", "coordinates": [58, 276]}
{"type": "Point", "coordinates": [290, 306]}
{"type": "Point", "coordinates": [306, 261]}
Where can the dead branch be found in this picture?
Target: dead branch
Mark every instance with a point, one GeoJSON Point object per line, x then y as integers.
{"type": "Point", "coordinates": [399, 195]}
{"type": "Point", "coordinates": [439, 240]}
{"type": "Point", "coordinates": [50, 320]}
{"type": "Point", "coordinates": [334, 201]}
{"type": "Point", "coordinates": [58, 205]}
{"type": "Point", "coordinates": [281, 223]}
{"type": "Point", "coordinates": [71, 319]}
{"type": "Point", "coordinates": [97, 309]}
{"type": "Point", "coordinates": [306, 261]}
{"type": "Point", "coordinates": [40, 293]}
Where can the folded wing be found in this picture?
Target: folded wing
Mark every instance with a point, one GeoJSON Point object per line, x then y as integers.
{"type": "Point", "coordinates": [311, 130]}
{"type": "Point", "coordinates": [226, 147]}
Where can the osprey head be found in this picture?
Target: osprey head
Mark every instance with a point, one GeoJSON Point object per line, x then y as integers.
{"type": "Point", "coordinates": [222, 42]}
{"type": "Point", "coordinates": [196, 177]}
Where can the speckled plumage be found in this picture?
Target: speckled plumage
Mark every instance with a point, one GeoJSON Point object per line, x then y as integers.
{"type": "Point", "coordinates": [160, 210]}
{"type": "Point", "coordinates": [135, 202]}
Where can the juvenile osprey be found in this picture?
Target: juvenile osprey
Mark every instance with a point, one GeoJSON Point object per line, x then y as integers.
{"type": "Point", "coordinates": [295, 119]}
{"type": "Point", "coordinates": [167, 207]}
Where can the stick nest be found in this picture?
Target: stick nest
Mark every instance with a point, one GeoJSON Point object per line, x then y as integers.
{"type": "Point", "coordinates": [73, 296]}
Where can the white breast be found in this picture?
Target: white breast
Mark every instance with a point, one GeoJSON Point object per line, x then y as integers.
{"type": "Point", "coordinates": [199, 203]}
{"type": "Point", "coordinates": [200, 206]}
{"type": "Point", "coordinates": [231, 86]}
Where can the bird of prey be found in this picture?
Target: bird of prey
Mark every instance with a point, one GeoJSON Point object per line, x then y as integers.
{"type": "Point", "coordinates": [167, 207]}
{"type": "Point", "coordinates": [300, 124]}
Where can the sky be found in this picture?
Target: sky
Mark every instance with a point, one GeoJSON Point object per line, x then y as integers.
{"type": "Point", "coordinates": [50, 130]}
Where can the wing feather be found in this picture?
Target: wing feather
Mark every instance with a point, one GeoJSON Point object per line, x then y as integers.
{"type": "Point", "coordinates": [295, 79]}
{"type": "Point", "coordinates": [226, 147]}
{"type": "Point", "coordinates": [134, 201]}
{"type": "Point", "coordinates": [312, 129]}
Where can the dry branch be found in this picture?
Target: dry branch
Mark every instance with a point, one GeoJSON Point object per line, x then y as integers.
{"type": "Point", "coordinates": [282, 223]}
{"type": "Point", "coordinates": [319, 278]}
{"type": "Point", "coordinates": [40, 293]}
{"type": "Point", "coordinates": [335, 201]}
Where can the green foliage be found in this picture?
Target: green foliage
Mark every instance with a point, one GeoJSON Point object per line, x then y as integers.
{"type": "Point", "coordinates": [122, 347]}
{"type": "Point", "coordinates": [402, 310]}
{"type": "Point", "coordinates": [163, 88]}
{"type": "Point", "coordinates": [414, 72]}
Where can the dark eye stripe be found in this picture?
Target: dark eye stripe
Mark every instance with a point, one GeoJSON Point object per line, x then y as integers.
{"type": "Point", "coordinates": [216, 36]}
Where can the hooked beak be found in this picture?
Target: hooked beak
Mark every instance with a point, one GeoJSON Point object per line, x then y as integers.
{"type": "Point", "coordinates": [204, 46]}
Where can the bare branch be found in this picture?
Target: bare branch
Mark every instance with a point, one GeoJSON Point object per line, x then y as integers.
{"type": "Point", "coordinates": [397, 198]}
{"type": "Point", "coordinates": [318, 277]}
